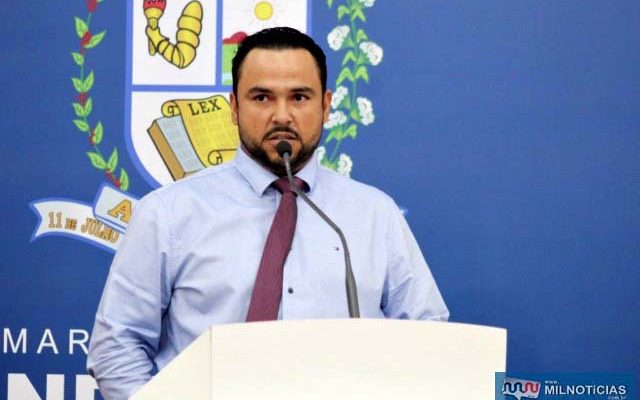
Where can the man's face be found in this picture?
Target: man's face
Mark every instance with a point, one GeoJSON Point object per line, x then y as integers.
{"type": "Point", "coordinates": [279, 97]}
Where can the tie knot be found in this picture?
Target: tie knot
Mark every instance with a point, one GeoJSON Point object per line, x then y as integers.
{"type": "Point", "coordinates": [282, 184]}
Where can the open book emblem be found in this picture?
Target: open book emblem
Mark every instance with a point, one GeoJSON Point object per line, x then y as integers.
{"type": "Point", "coordinates": [193, 134]}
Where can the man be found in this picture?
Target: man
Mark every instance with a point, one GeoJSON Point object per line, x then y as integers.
{"type": "Point", "coordinates": [196, 251]}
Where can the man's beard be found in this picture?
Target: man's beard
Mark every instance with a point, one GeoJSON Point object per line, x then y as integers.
{"type": "Point", "coordinates": [298, 161]}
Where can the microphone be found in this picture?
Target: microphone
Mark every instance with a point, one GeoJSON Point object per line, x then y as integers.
{"type": "Point", "coordinates": [284, 151]}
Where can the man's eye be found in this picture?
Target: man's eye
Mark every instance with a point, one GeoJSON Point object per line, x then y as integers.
{"type": "Point", "coordinates": [300, 97]}
{"type": "Point", "coordinates": [260, 98]}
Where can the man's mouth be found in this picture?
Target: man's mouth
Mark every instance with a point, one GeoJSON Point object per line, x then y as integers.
{"type": "Point", "coordinates": [281, 135]}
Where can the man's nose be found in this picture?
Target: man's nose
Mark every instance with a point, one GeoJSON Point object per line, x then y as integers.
{"type": "Point", "coordinates": [282, 112]}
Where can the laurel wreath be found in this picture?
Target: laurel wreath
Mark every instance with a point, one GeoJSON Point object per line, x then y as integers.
{"type": "Point", "coordinates": [83, 104]}
{"type": "Point", "coordinates": [349, 112]}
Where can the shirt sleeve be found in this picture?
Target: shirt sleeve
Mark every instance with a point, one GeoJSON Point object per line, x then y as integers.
{"type": "Point", "coordinates": [410, 290]}
{"type": "Point", "coordinates": [126, 332]}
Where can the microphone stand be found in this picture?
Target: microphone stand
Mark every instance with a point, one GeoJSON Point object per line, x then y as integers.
{"type": "Point", "coordinates": [284, 149]}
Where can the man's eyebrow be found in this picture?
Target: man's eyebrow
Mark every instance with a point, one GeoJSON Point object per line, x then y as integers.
{"type": "Point", "coordinates": [259, 90]}
{"type": "Point", "coordinates": [303, 89]}
{"type": "Point", "coordinates": [297, 90]}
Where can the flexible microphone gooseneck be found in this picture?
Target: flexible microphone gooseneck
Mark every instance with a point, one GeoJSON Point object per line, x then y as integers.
{"type": "Point", "coordinates": [284, 150]}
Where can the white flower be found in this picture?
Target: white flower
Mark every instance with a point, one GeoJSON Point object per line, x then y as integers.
{"type": "Point", "coordinates": [364, 105]}
{"type": "Point", "coordinates": [365, 109]}
{"type": "Point", "coordinates": [321, 152]}
{"type": "Point", "coordinates": [338, 96]}
{"type": "Point", "coordinates": [367, 3]}
{"type": "Point", "coordinates": [373, 52]}
{"type": "Point", "coordinates": [335, 119]}
{"type": "Point", "coordinates": [336, 37]}
{"type": "Point", "coordinates": [344, 165]}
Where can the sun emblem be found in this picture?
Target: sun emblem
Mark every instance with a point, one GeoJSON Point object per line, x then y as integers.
{"type": "Point", "coordinates": [263, 10]}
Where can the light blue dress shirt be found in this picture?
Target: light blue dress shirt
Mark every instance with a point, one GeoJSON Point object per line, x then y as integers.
{"type": "Point", "coordinates": [192, 251]}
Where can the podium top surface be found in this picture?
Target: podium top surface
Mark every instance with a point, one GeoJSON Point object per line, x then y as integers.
{"type": "Point", "coordinates": [337, 359]}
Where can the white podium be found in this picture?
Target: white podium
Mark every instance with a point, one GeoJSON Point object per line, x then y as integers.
{"type": "Point", "coordinates": [335, 359]}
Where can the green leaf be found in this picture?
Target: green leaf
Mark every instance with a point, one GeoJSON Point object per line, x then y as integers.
{"type": "Point", "coordinates": [334, 134]}
{"type": "Point", "coordinates": [81, 27]}
{"type": "Point", "coordinates": [78, 109]}
{"type": "Point", "coordinates": [360, 36]}
{"type": "Point", "coordinates": [88, 83]}
{"type": "Point", "coordinates": [361, 72]}
{"type": "Point", "coordinates": [82, 125]}
{"type": "Point", "coordinates": [78, 58]}
{"type": "Point", "coordinates": [124, 180]}
{"type": "Point", "coordinates": [97, 133]}
{"type": "Point", "coordinates": [357, 13]}
{"type": "Point", "coordinates": [348, 42]}
{"type": "Point", "coordinates": [113, 160]}
{"type": "Point", "coordinates": [344, 74]}
{"type": "Point", "coordinates": [333, 165]}
{"type": "Point", "coordinates": [77, 83]}
{"type": "Point", "coordinates": [346, 103]}
{"type": "Point", "coordinates": [342, 11]}
{"type": "Point", "coordinates": [88, 106]}
{"type": "Point", "coordinates": [350, 56]}
{"type": "Point", "coordinates": [329, 3]}
{"type": "Point", "coordinates": [362, 59]}
{"type": "Point", "coordinates": [354, 114]}
{"type": "Point", "coordinates": [352, 131]}
{"type": "Point", "coordinates": [95, 40]}
{"type": "Point", "coordinates": [96, 160]}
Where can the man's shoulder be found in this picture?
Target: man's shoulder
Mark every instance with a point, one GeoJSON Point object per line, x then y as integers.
{"type": "Point", "coordinates": [347, 187]}
{"type": "Point", "coordinates": [196, 184]}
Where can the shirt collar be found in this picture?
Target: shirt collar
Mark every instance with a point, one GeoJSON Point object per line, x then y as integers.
{"type": "Point", "coordinates": [260, 178]}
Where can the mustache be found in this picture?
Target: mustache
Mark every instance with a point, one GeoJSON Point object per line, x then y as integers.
{"type": "Point", "coordinates": [281, 128]}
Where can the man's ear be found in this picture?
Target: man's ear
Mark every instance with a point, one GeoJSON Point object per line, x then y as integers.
{"type": "Point", "coordinates": [326, 105]}
{"type": "Point", "coordinates": [234, 108]}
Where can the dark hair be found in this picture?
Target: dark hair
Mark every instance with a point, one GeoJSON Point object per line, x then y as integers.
{"type": "Point", "coordinates": [279, 38]}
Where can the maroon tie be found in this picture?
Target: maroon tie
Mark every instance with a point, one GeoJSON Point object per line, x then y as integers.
{"type": "Point", "coordinates": [267, 291]}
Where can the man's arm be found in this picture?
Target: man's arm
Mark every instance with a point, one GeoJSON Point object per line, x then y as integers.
{"type": "Point", "coordinates": [410, 290]}
{"type": "Point", "coordinates": [127, 328]}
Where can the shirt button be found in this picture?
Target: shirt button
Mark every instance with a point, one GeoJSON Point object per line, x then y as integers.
{"type": "Point", "coordinates": [290, 290]}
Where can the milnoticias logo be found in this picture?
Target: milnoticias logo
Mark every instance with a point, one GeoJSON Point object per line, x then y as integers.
{"type": "Point", "coordinates": [520, 388]}
{"type": "Point", "coordinates": [554, 388]}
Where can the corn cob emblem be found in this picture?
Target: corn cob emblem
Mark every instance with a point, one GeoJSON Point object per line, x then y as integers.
{"type": "Point", "coordinates": [183, 52]}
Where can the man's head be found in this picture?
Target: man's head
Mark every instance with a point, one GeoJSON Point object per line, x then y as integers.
{"type": "Point", "coordinates": [279, 93]}
{"type": "Point", "coordinates": [279, 38]}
